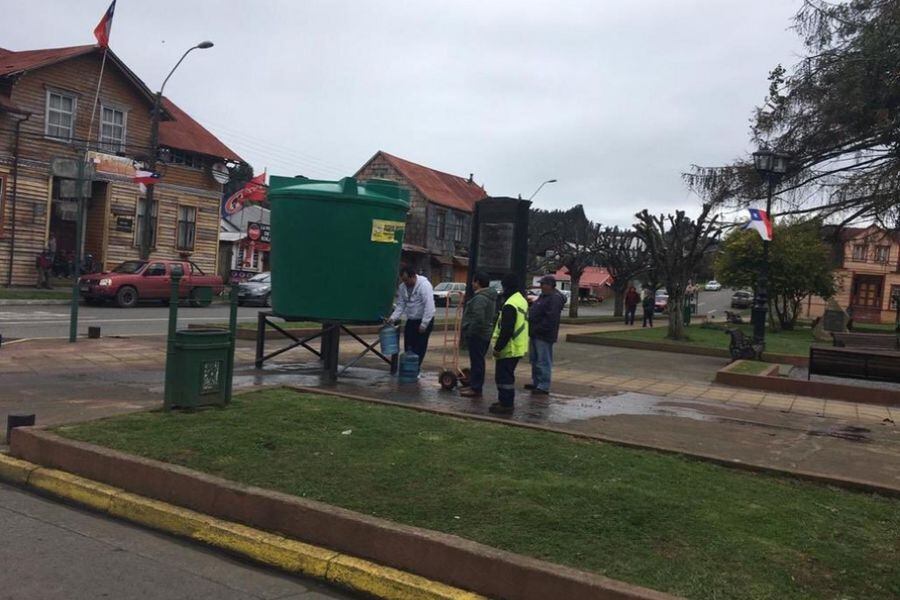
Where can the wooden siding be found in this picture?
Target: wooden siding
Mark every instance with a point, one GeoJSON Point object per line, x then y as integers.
{"type": "Point", "coordinates": [180, 184]}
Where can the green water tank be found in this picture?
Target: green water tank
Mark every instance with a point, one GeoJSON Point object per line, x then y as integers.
{"type": "Point", "coordinates": [335, 248]}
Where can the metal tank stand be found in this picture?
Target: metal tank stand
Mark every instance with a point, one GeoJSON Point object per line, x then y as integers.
{"type": "Point", "coordinates": [329, 348]}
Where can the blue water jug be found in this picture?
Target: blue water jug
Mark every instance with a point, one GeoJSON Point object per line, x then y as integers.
{"type": "Point", "coordinates": [389, 337]}
{"type": "Point", "coordinates": [409, 368]}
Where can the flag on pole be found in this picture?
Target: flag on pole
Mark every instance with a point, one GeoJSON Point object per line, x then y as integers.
{"type": "Point", "coordinates": [145, 178]}
{"type": "Point", "coordinates": [104, 27]}
{"type": "Point", "coordinates": [759, 221]}
{"type": "Point", "coordinates": [253, 191]}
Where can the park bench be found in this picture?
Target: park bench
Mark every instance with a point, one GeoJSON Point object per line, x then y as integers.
{"type": "Point", "coordinates": [857, 363]}
{"type": "Point", "coordinates": [884, 341]}
{"type": "Point", "coordinates": [741, 346]}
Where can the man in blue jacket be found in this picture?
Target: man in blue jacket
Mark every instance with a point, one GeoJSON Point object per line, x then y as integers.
{"type": "Point", "coordinates": [543, 326]}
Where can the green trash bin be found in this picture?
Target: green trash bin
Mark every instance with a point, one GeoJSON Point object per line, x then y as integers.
{"type": "Point", "coordinates": [200, 368]}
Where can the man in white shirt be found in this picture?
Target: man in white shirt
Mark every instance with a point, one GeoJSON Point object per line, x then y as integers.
{"type": "Point", "coordinates": [415, 301]}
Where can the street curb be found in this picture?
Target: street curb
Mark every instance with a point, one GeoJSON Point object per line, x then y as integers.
{"type": "Point", "coordinates": [261, 547]}
{"type": "Point", "coordinates": [856, 485]}
{"type": "Point", "coordinates": [405, 550]}
{"type": "Point", "coordinates": [26, 302]}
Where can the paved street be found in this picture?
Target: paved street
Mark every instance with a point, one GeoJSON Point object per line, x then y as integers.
{"type": "Point", "coordinates": [53, 551]}
{"type": "Point", "coordinates": [38, 321]}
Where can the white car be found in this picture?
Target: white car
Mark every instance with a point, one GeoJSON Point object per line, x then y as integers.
{"type": "Point", "coordinates": [454, 291]}
{"type": "Point", "coordinates": [713, 286]}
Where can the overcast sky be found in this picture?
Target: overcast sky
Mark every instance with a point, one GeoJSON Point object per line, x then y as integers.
{"type": "Point", "coordinates": [613, 99]}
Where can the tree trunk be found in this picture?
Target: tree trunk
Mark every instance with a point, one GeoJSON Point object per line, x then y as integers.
{"type": "Point", "coordinates": [573, 301]}
{"type": "Point", "coordinates": [676, 318]}
{"type": "Point", "coordinates": [619, 306]}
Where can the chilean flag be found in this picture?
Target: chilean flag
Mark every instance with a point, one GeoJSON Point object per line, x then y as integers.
{"type": "Point", "coordinates": [145, 178]}
{"type": "Point", "coordinates": [759, 220]}
{"type": "Point", "coordinates": [104, 27]}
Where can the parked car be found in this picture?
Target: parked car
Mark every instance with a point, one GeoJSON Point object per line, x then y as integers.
{"type": "Point", "coordinates": [256, 290]}
{"type": "Point", "coordinates": [713, 286]}
{"type": "Point", "coordinates": [662, 302]}
{"type": "Point", "coordinates": [742, 299]}
{"type": "Point", "coordinates": [449, 291]}
{"type": "Point", "coordinates": [136, 280]}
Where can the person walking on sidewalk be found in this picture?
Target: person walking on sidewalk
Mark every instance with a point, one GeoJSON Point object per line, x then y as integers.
{"type": "Point", "coordinates": [649, 305]}
{"type": "Point", "coordinates": [43, 264]}
{"type": "Point", "coordinates": [477, 323]}
{"type": "Point", "coordinates": [510, 342]}
{"type": "Point", "coordinates": [543, 328]}
{"type": "Point", "coordinates": [415, 301]}
{"type": "Point", "coordinates": [632, 299]}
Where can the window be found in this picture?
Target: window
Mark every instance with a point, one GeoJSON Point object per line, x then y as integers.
{"type": "Point", "coordinates": [859, 252]}
{"type": "Point", "coordinates": [187, 225]}
{"type": "Point", "coordinates": [177, 269]}
{"type": "Point", "coordinates": [139, 230]}
{"type": "Point", "coordinates": [177, 157]}
{"type": "Point", "coordinates": [112, 129]}
{"type": "Point", "coordinates": [882, 253]}
{"type": "Point", "coordinates": [459, 224]}
{"type": "Point", "coordinates": [2, 201]}
{"type": "Point", "coordinates": [156, 270]}
{"type": "Point", "coordinates": [60, 115]}
{"type": "Point", "coordinates": [440, 224]}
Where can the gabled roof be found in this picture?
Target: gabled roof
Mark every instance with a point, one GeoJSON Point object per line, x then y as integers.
{"type": "Point", "coordinates": [179, 131]}
{"type": "Point", "coordinates": [438, 187]}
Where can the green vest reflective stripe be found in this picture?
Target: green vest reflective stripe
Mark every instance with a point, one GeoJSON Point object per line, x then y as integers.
{"type": "Point", "coordinates": [518, 344]}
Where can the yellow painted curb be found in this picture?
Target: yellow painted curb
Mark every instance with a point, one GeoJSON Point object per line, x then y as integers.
{"type": "Point", "coordinates": [266, 548]}
{"type": "Point", "coordinates": [15, 470]}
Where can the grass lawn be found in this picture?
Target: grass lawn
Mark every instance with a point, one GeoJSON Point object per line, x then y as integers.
{"type": "Point", "coordinates": [783, 342]}
{"type": "Point", "coordinates": [34, 294]}
{"type": "Point", "coordinates": [750, 367]}
{"type": "Point", "coordinates": [673, 524]}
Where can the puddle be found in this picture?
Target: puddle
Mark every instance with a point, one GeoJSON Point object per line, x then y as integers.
{"type": "Point", "coordinates": [625, 403]}
{"type": "Point", "coordinates": [844, 432]}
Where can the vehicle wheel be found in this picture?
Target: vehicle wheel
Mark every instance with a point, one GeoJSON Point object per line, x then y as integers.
{"type": "Point", "coordinates": [196, 302]}
{"type": "Point", "coordinates": [448, 380]}
{"type": "Point", "coordinates": [127, 297]}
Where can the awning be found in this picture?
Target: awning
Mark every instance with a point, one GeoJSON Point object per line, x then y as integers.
{"type": "Point", "coordinates": [414, 248]}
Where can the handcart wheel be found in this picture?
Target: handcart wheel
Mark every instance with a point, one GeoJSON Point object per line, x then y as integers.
{"type": "Point", "coordinates": [464, 375]}
{"type": "Point", "coordinates": [448, 380]}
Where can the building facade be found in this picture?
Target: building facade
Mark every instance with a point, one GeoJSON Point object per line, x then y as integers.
{"type": "Point", "coordinates": [49, 123]}
{"type": "Point", "coordinates": [244, 243]}
{"type": "Point", "coordinates": [439, 224]}
{"type": "Point", "coordinates": [867, 274]}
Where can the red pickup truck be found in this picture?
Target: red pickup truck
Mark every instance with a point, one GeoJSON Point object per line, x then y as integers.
{"type": "Point", "coordinates": [135, 280]}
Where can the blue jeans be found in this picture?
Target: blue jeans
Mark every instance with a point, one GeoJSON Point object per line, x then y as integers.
{"type": "Point", "coordinates": [540, 354]}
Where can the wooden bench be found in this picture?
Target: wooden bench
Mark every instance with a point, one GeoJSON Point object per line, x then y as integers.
{"type": "Point", "coordinates": [741, 346]}
{"type": "Point", "coordinates": [883, 341]}
{"type": "Point", "coordinates": [857, 363]}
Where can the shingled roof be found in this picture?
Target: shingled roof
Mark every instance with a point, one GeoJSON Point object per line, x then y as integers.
{"type": "Point", "coordinates": [438, 187]}
{"type": "Point", "coordinates": [179, 131]}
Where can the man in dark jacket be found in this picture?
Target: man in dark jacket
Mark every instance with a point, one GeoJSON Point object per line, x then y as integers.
{"type": "Point", "coordinates": [543, 326]}
{"type": "Point", "coordinates": [476, 328]}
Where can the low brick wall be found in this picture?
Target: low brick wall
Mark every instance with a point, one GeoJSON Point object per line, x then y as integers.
{"type": "Point", "coordinates": [816, 389]}
{"type": "Point", "coordinates": [438, 556]}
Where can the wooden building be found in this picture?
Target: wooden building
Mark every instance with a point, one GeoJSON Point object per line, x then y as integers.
{"type": "Point", "coordinates": [46, 126]}
{"type": "Point", "coordinates": [439, 224]}
{"type": "Point", "coordinates": [867, 274]}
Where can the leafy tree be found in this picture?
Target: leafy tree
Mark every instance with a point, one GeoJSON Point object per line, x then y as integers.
{"type": "Point", "coordinates": [625, 257]}
{"type": "Point", "coordinates": [800, 265]}
{"type": "Point", "coordinates": [676, 246]}
{"type": "Point", "coordinates": [837, 113]}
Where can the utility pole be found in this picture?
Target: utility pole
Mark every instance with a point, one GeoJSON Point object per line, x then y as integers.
{"type": "Point", "coordinates": [79, 249]}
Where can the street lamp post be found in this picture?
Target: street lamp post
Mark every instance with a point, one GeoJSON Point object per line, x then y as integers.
{"type": "Point", "coordinates": [146, 238]}
{"type": "Point", "coordinates": [539, 188]}
{"type": "Point", "coordinates": [771, 166]}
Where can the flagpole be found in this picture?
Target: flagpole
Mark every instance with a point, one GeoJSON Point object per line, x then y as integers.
{"type": "Point", "coordinates": [97, 94]}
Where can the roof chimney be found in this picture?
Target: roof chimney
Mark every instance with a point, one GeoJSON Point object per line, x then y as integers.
{"type": "Point", "coordinates": [471, 177]}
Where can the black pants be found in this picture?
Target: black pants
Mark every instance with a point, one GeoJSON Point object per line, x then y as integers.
{"type": "Point", "coordinates": [416, 342]}
{"type": "Point", "coordinates": [478, 348]}
{"type": "Point", "coordinates": [629, 314]}
{"type": "Point", "coordinates": [648, 317]}
{"type": "Point", "coordinates": [505, 377]}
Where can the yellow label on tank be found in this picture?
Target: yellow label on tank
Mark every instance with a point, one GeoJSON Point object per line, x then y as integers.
{"type": "Point", "coordinates": [385, 232]}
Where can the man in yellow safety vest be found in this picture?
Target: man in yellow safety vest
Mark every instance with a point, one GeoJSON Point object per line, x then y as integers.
{"type": "Point", "coordinates": [510, 342]}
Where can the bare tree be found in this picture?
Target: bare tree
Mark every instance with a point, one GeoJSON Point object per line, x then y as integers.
{"type": "Point", "coordinates": [676, 246]}
{"type": "Point", "coordinates": [625, 257]}
{"type": "Point", "coordinates": [573, 242]}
